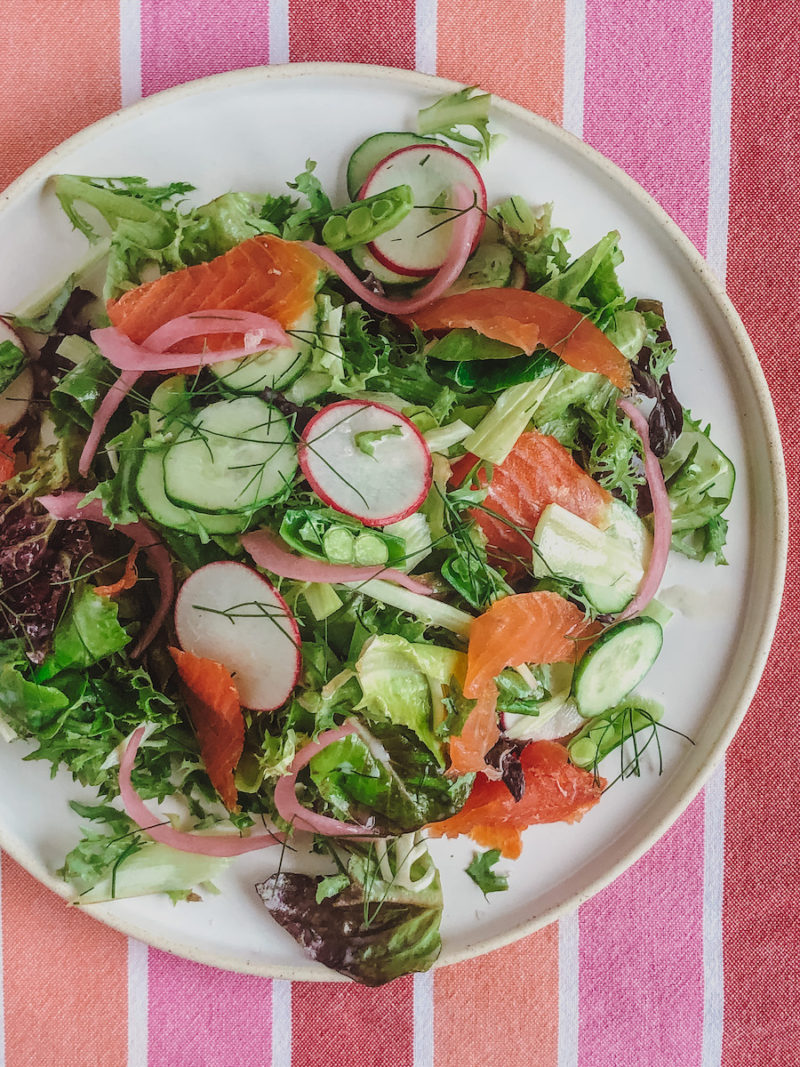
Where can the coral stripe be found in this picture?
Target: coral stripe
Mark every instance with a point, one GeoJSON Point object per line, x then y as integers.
{"type": "Point", "coordinates": [502, 1008]}
{"type": "Point", "coordinates": [52, 82]}
{"type": "Point", "coordinates": [762, 875]}
{"type": "Point", "coordinates": [181, 42]}
{"type": "Point", "coordinates": [65, 980]}
{"type": "Point", "coordinates": [201, 1015]}
{"type": "Point", "coordinates": [355, 31]}
{"type": "Point", "coordinates": [663, 68]}
{"type": "Point", "coordinates": [350, 1024]}
{"type": "Point", "coordinates": [475, 45]}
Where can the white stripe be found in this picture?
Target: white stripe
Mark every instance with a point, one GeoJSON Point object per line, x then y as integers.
{"type": "Point", "coordinates": [423, 1019]}
{"type": "Point", "coordinates": [130, 51]}
{"type": "Point", "coordinates": [574, 65]}
{"type": "Point", "coordinates": [713, 872]}
{"type": "Point", "coordinates": [568, 990]}
{"type": "Point", "coordinates": [717, 256]}
{"type": "Point", "coordinates": [281, 1023]}
{"type": "Point", "coordinates": [137, 1002]}
{"type": "Point", "coordinates": [720, 141]}
{"type": "Point", "coordinates": [278, 31]}
{"type": "Point", "coordinates": [426, 27]}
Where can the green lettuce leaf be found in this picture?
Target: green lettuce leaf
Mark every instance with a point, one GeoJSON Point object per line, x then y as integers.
{"type": "Point", "coordinates": [120, 862]}
{"type": "Point", "coordinates": [402, 683]}
{"type": "Point", "coordinates": [118, 493]}
{"type": "Point", "coordinates": [534, 242]}
{"type": "Point", "coordinates": [12, 360]}
{"type": "Point", "coordinates": [466, 107]}
{"type": "Point", "coordinates": [88, 632]}
{"type": "Point", "coordinates": [590, 284]}
{"type": "Point", "coordinates": [44, 319]}
{"type": "Point", "coordinates": [402, 790]}
{"type": "Point", "coordinates": [77, 396]}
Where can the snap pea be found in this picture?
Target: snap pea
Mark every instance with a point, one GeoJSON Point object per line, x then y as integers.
{"type": "Point", "coordinates": [364, 220]}
{"type": "Point", "coordinates": [602, 734]}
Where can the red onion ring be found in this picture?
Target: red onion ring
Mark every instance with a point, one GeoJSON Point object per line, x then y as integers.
{"type": "Point", "coordinates": [127, 355]}
{"type": "Point", "coordinates": [662, 515]}
{"type": "Point", "coordinates": [465, 229]}
{"type": "Point", "coordinates": [202, 323]}
{"type": "Point", "coordinates": [134, 359]}
{"type": "Point", "coordinates": [66, 506]}
{"type": "Point", "coordinates": [111, 401]}
{"type": "Point", "coordinates": [269, 552]}
{"type": "Point", "coordinates": [290, 808]}
{"type": "Point", "coordinates": [201, 844]}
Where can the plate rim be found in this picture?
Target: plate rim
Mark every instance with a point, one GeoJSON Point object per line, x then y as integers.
{"type": "Point", "coordinates": [761, 398]}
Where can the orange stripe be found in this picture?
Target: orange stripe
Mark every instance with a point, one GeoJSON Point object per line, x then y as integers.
{"type": "Point", "coordinates": [476, 46]}
{"type": "Point", "coordinates": [510, 1015]}
{"type": "Point", "coordinates": [64, 980]}
{"type": "Point", "coordinates": [60, 72]}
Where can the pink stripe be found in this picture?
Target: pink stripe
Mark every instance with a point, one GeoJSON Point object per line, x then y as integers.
{"type": "Point", "coordinates": [647, 95]}
{"type": "Point", "coordinates": [641, 958]}
{"type": "Point", "coordinates": [647, 98]}
{"type": "Point", "coordinates": [201, 1015]}
{"type": "Point", "coordinates": [216, 35]}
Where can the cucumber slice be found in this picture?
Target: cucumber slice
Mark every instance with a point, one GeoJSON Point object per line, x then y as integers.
{"type": "Point", "coordinates": [615, 664]}
{"type": "Point", "coordinates": [234, 456]}
{"type": "Point", "coordinates": [370, 152]}
{"type": "Point", "coordinates": [629, 530]}
{"type": "Point", "coordinates": [275, 368]}
{"type": "Point", "coordinates": [169, 400]}
{"type": "Point", "coordinates": [570, 547]}
{"type": "Point", "coordinates": [150, 488]}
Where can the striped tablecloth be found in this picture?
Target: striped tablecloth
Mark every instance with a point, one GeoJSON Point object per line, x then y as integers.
{"type": "Point", "coordinates": [691, 957]}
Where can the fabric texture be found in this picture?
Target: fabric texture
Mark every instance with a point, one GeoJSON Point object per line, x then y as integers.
{"type": "Point", "coordinates": [690, 958]}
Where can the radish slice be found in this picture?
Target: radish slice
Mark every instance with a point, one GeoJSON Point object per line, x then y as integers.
{"type": "Point", "coordinates": [269, 552]}
{"type": "Point", "coordinates": [67, 506]}
{"type": "Point", "coordinates": [7, 334]}
{"type": "Point", "coordinates": [111, 401]}
{"type": "Point", "coordinates": [462, 236]}
{"type": "Point", "coordinates": [290, 808]}
{"type": "Point", "coordinates": [662, 516]}
{"type": "Point", "coordinates": [229, 613]}
{"type": "Point", "coordinates": [366, 460]}
{"type": "Point", "coordinates": [201, 844]}
{"type": "Point", "coordinates": [420, 244]}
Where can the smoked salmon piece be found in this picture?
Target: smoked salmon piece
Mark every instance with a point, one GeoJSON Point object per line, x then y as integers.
{"type": "Point", "coordinates": [264, 274]}
{"type": "Point", "coordinates": [555, 791]}
{"type": "Point", "coordinates": [526, 319]}
{"type": "Point", "coordinates": [480, 732]}
{"type": "Point", "coordinates": [538, 471]}
{"type": "Point", "coordinates": [535, 628]}
{"type": "Point", "coordinates": [213, 702]}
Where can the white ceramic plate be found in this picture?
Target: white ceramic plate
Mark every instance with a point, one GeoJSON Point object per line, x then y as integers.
{"type": "Point", "coordinates": [253, 130]}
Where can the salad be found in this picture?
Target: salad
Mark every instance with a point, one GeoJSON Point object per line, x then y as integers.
{"type": "Point", "coordinates": [338, 527]}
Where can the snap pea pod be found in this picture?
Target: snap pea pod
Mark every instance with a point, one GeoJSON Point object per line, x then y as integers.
{"type": "Point", "coordinates": [364, 220]}
{"type": "Point", "coordinates": [601, 735]}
